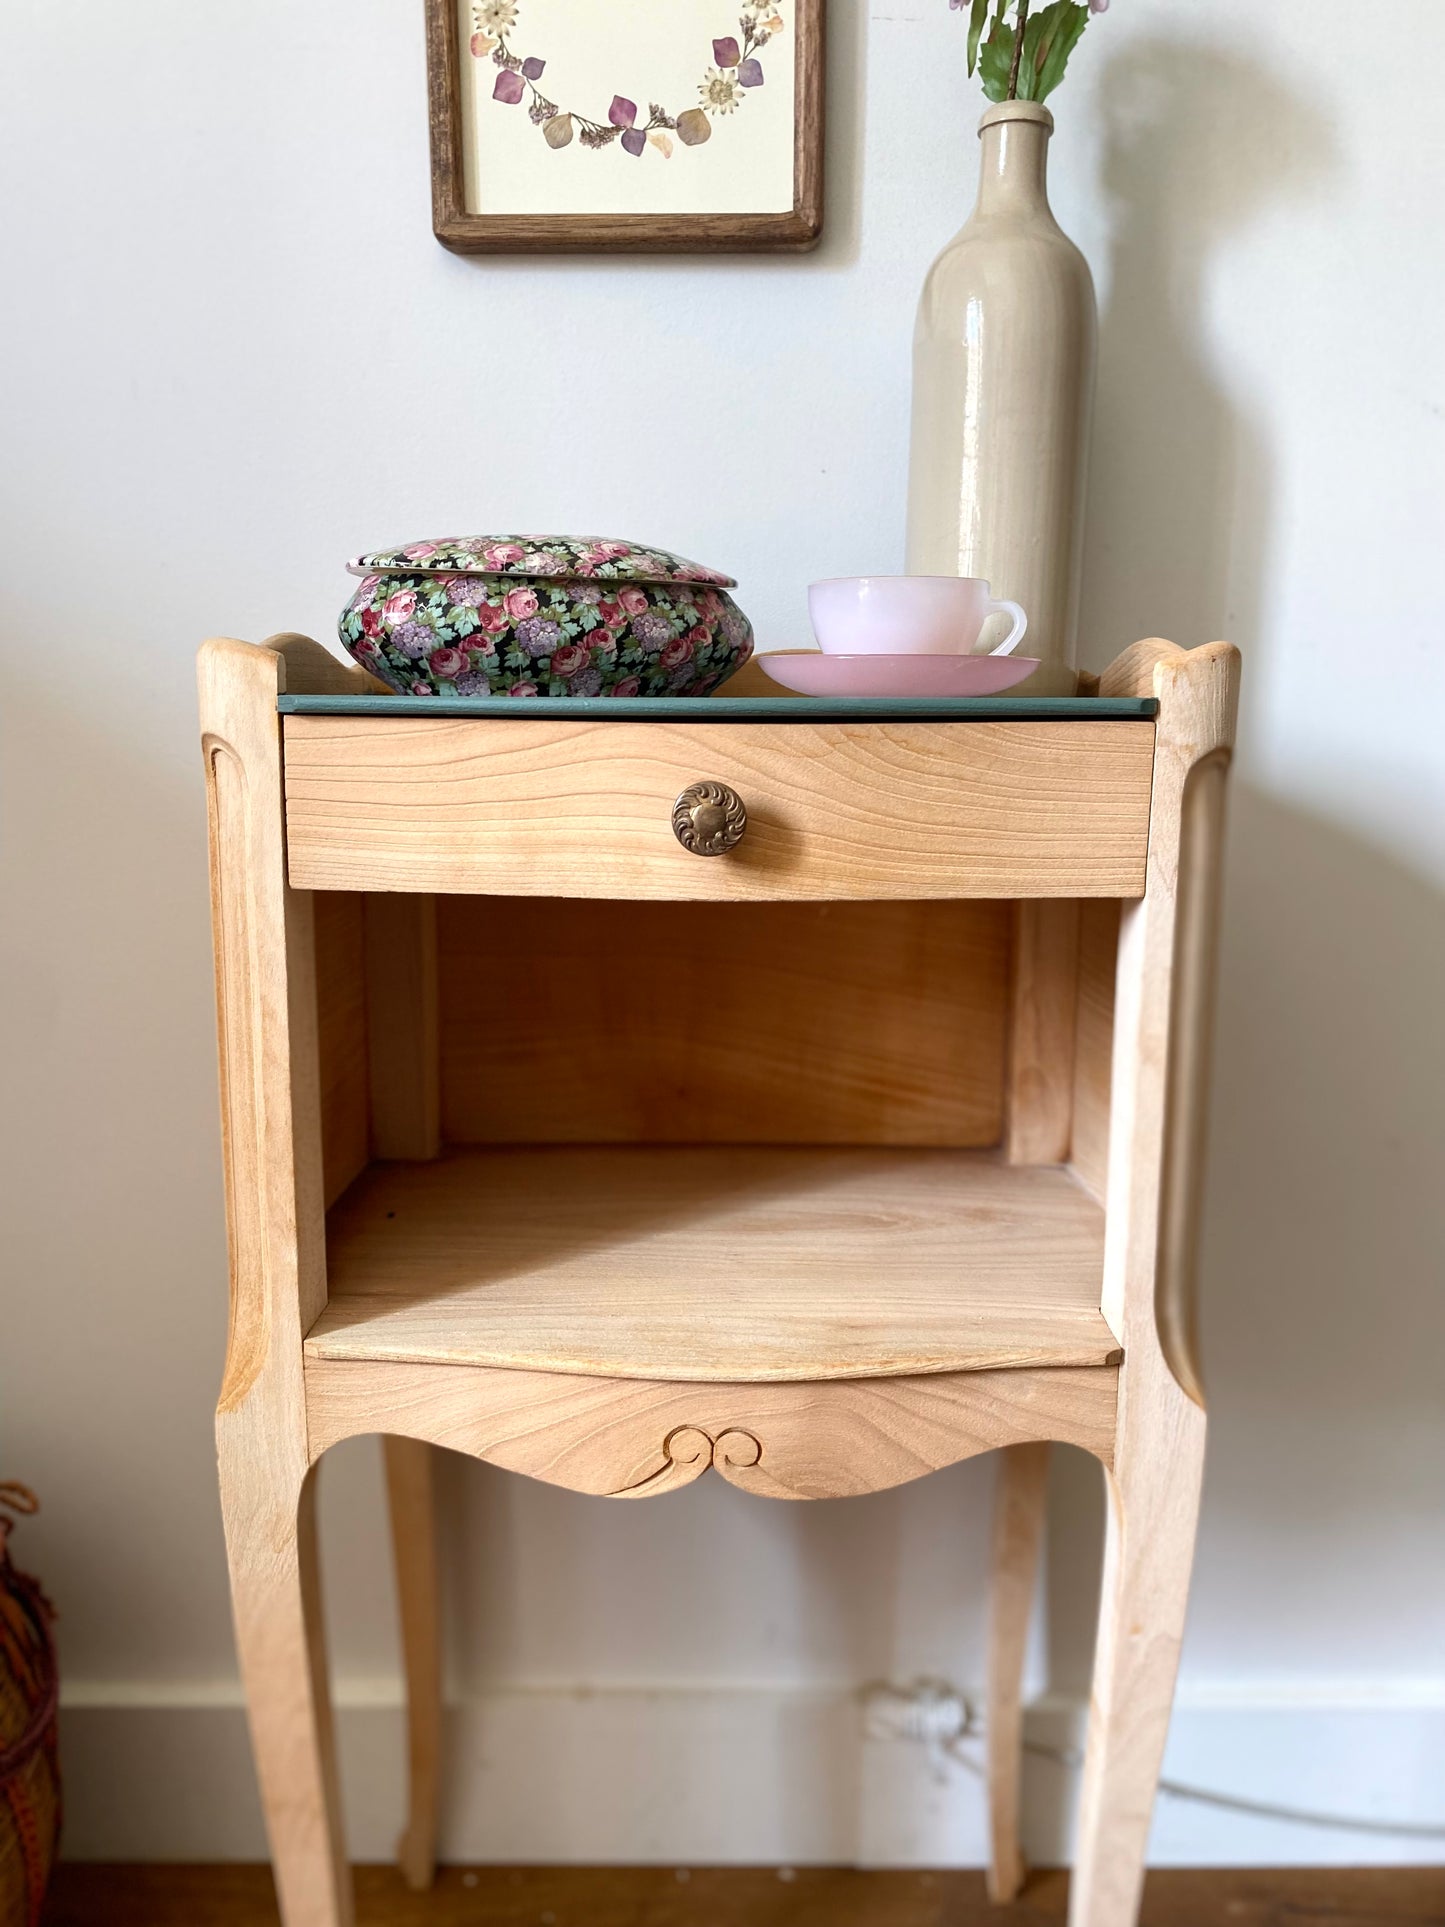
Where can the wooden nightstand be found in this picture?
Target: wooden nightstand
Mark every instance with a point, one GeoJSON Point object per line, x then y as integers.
{"type": "Point", "coordinates": [867, 1145]}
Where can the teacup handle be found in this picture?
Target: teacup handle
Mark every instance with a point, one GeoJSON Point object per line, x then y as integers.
{"type": "Point", "coordinates": [1017, 633]}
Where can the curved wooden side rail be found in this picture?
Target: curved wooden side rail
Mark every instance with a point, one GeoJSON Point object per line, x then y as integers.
{"type": "Point", "coordinates": [1166, 994]}
{"type": "Point", "coordinates": [1161, 1036]}
{"type": "Point", "coordinates": [635, 1438]}
{"type": "Point", "coordinates": [271, 1127]}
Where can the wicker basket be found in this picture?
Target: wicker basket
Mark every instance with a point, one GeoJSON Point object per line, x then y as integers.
{"type": "Point", "coordinates": [29, 1768]}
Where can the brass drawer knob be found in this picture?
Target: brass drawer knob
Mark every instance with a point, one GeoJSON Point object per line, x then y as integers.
{"type": "Point", "coordinates": [709, 819]}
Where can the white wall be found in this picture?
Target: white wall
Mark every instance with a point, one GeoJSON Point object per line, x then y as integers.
{"type": "Point", "coordinates": [232, 354]}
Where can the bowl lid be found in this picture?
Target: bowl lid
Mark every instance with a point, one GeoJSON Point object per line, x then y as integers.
{"type": "Point", "coordinates": [607, 558]}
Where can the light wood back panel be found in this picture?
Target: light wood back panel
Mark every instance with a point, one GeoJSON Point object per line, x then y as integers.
{"type": "Point", "coordinates": [835, 810]}
{"type": "Point", "coordinates": [600, 1023]}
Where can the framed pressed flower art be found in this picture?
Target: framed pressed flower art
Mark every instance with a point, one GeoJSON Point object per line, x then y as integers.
{"type": "Point", "coordinates": [626, 124]}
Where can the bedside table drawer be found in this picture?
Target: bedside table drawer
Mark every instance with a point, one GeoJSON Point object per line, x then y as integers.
{"type": "Point", "coordinates": [834, 810]}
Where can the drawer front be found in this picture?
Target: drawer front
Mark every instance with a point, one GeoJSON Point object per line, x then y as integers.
{"type": "Point", "coordinates": [835, 810]}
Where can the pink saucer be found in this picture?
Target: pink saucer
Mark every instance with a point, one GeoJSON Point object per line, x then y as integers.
{"type": "Point", "coordinates": [814, 674]}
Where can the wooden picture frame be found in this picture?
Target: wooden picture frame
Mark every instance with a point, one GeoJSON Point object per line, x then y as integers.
{"type": "Point", "coordinates": [466, 230]}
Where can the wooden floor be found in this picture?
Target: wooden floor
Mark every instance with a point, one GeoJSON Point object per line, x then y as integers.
{"type": "Point", "coordinates": [765, 1897]}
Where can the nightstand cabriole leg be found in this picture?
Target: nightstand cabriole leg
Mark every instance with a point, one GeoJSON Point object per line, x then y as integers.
{"type": "Point", "coordinates": [411, 1500]}
{"type": "Point", "coordinates": [1019, 1501]}
{"type": "Point", "coordinates": [1149, 1550]}
{"type": "Point", "coordinates": [404, 1077]}
{"type": "Point", "coordinates": [275, 1593]}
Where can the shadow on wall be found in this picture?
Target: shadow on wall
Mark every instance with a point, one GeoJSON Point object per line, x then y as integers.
{"type": "Point", "coordinates": [1196, 145]}
{"type": "Point", "coordinates": [1324, 1321]}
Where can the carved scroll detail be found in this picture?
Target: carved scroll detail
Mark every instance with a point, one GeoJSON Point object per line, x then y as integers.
{"type": "Point", "coordinates": [687, 1453]}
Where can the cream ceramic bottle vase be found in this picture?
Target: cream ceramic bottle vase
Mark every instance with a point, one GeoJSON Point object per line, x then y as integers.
{"type": "Point", "coordinates": [1003, 380]}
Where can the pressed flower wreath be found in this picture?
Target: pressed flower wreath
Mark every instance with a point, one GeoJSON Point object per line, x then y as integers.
{"type": "Point", "coordinates": [722, 89]}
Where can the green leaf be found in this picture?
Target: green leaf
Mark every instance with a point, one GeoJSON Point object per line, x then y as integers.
{"type": "Point", "coordinates": [996, 59]}
{"type": "Point", "coordinates": [1034, 37]}
{"type": "Point", "coordinates": [975, 32]}
{"type": "Point", "coordinates": [1061, 25]}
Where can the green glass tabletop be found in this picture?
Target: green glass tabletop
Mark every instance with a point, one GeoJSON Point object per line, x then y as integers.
{"type": "Point", "coordinates": [739, 709]}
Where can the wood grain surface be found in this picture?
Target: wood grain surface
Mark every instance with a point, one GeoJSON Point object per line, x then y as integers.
{"type": "Point", "coordinates": [635, 1438]}
{"type": "Point", "coordinates": [238, 1896]}
{"type": "Point", "coordinates": [721, 1264]}
{"type": "Point", "coordinates": [835, 810]}
{"type": "Point", "coordinates": [832, 1023]}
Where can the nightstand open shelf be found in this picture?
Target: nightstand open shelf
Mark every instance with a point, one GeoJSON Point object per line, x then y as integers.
{"type": "Point", "coordinates": [716, 1263]}
{"type": "Point", "coordinates": [862, 1148]}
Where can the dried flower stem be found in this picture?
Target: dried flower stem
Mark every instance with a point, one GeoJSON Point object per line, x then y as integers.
{"type": "Point", "coordinates": [1013, 72]}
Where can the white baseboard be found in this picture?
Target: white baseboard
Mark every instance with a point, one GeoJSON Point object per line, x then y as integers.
{"type": "Point", "coordinates": [738, 1777]}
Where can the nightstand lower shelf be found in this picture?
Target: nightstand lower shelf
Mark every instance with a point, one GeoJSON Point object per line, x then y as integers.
{"type": "Point", "coordinates": [716, 1264]}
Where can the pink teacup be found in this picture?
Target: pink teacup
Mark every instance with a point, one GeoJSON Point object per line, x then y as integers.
{"type": "Point", "coordinates": [908, 615]}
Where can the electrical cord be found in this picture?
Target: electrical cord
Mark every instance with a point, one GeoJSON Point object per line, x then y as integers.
{"type": "Point", "coordinates": [1069, 1756]}
{"type": "Point", "coordinates": [942, 1719]}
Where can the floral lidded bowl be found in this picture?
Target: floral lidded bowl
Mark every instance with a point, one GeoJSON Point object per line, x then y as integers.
{"type": "Point", "coordinates": [543, 615]}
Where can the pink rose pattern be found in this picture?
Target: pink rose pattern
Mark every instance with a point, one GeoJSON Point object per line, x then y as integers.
{"type": "Point", "coordinates": [468, 633]}
{"type": "Point", "coordinates": [578, 557]}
